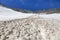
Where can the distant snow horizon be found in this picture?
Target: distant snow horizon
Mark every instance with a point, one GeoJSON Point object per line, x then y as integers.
{"type": "Point", "coordinates": [9, 14]}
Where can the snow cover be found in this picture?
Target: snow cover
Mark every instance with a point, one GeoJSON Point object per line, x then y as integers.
{"type": "Point", "coordinates": [8, 14]}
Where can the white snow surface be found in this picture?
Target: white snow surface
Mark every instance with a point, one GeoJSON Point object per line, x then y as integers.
{"type": "Point", "coordinates": [8, 14]}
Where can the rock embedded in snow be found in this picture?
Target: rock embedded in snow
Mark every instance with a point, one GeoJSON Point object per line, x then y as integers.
{"type": "Point", "coordinates": [32, 28]}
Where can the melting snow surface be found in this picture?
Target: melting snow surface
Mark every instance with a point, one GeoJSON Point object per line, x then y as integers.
{"type": "Point", "coordinates": [8, 14]}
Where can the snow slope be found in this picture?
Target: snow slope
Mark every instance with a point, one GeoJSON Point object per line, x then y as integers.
{"type": "Point", "coordinates": [8, 14]}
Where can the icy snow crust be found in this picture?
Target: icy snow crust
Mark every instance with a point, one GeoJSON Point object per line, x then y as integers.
{"type": "Point", "coordinates": [8, 14]}
{"type": "Point", "coordinates": [30, 29]}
